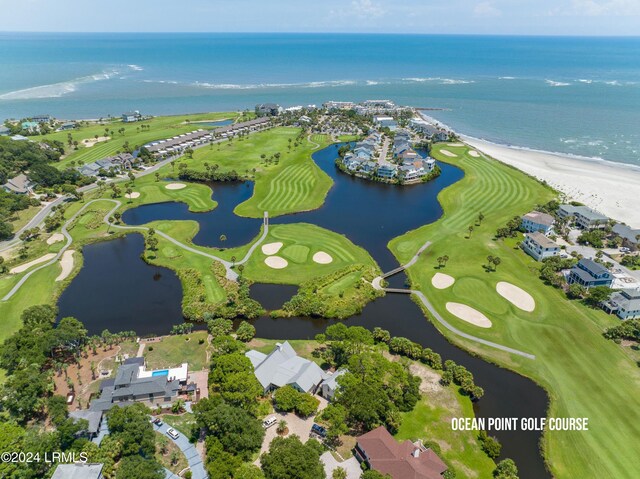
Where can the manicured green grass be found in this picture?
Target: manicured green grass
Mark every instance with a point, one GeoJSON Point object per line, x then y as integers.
{"type": "Point", "coordinates": [584, 374]}
{"type": "Point", "coordinates": [184, 423]}
{"type": "Point", "coordinates": [294, 184]}
{"type": "Point", "coordinates": [160, 128]}
{"type": "Point", "coordinates": [300, 242]}
{"type": "Point", "coordinates": [172, 351]}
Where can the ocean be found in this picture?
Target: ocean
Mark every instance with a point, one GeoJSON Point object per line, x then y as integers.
{"type": "Point", "coordinates": [578, 96]}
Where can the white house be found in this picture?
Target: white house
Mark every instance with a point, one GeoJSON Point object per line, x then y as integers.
{"type": "Point", "coordinates": [538, 246]}
{"type": "Point", "coordinates": [537, 221]}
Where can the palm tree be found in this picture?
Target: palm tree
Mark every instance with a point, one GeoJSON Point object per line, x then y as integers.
{"type": "Point", "coordinates": [233, 260]}
{"type": "Point", "coordinates": [489, 262]}
{"type": "Point", "coordinates": [496, 262]}
{"type": "Point", "coordinates": [470, 229]}
{"type": "Point", "coordinates": [223, 238]}
{"type": "Point", "coordinates": [480, 218]}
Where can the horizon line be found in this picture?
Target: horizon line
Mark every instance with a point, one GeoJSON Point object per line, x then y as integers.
{"type": "Point", "coordinates": [523, 35]}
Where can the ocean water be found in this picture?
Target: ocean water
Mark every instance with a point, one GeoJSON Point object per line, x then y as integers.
{"type": "Point", "coordinates": [578, 96]}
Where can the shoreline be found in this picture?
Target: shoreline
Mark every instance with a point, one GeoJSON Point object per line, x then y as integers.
{"type": "Point", "coordinates": [609, 187]}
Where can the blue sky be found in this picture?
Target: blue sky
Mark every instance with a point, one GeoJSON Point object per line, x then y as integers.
{"type": "Point", "coordinates": [537, 17]}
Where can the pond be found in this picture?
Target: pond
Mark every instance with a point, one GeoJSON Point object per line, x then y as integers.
{"type": "Point", "coordinates": [370, 214]}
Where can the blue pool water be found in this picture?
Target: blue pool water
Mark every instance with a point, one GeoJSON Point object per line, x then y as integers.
{"type": "Point", "coordinates": [162, 372]}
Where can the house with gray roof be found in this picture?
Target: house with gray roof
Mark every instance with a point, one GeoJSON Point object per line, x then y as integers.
{"type": "Point", "coordinates": [537, 221]}
{"type": "Point", "coordinates": [4, 131]}
{"type": "Point", "coordinates": [589, 274]}
{"type": "Point", "coordinates": [283, 367]}
{"type": "Point", "coordinates": [93, 418]}
{"type": "Point", "coordinates": [272, 109]}
{"type": "Point", "coordinates": [78, 471]}
{"type": "Point", "coordinates": [583, 216]}
{"type": "Point", "coordinates": [629, 235]}
{"type": "Point", "coordinates": [20, 185]}
{"type": "Point", "coordinates": [330, 385]}
{"type": "Point", "coordinates": [539, 247]}
{"type": "Point", "coordinates": [625, 304]}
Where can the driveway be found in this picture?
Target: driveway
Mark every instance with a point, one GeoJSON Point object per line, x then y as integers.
{"type": "Point", "coordinates": [189, 450]}
{"type": "Point", "coordinates": [351, 465]}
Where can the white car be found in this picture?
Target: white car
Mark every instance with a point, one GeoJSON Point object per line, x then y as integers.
{"type": "Point", "coordinates": [624, 250]}
{"type": "Point", "coordinates": [268, 422]}
{"type": "Point", "coordinates": [172, 433]}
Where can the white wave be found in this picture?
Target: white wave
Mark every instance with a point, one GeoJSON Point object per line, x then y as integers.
{"type": "Point", "coordinates": [255, 86]}
{"type": "Point", "coordinates": [56, 90]}
{"type": "Point", "coordinates": [136, 68]}
{"type": "Point", "coordinates": [442, 81]}
{"type": "Point", "coordinates": [506, 78]}
{"type": "Point", "coordinates": [583, 80]}
{"type": "Point", "coordinates": [557, 83]}
{"type": "Point", "coordinates": [371, 82]}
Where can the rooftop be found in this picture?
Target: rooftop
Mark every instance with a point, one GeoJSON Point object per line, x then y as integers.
{"type": "Point", "coordinates": [541, 240]}
{"type": "Point", "coordinates": [77, 471]}
{"type": "Point", "coordinates": [539, 218]}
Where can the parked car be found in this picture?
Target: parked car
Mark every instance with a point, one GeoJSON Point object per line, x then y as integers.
{"type": "Point", "coordinates": [158, 422]}
{"type": "Point", "coordinates": [268, 422]}
{"type": "Point", "coordinates": [318, 430]}
{"type": "Point", "coordinates": [624, 249]}
{"type": "Point", "coordinates": [172, 433]}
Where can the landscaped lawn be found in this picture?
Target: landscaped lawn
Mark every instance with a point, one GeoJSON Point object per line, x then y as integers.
{"type": "Point", "coordinates": [172, 450]}
{"type": "Point", "coordinates": [172, 351]}
{"type": "Point", "coordinates": [300, 242]}
{"type": "Point", "coordinates": [584, 374]}
{"type": "Point", "coordinates": [183, 423]}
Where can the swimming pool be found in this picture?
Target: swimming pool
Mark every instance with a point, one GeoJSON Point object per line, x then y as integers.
{"type": "Point", "coordinates": [162, 372]}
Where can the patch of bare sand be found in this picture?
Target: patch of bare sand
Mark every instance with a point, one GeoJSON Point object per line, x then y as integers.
{"type": "Point", "coordinates": [468, 314]}
{"type": "Point", "coordinates": [89, 142]}
{"type": "Point", "coordinates": [442, 281]}
{"type": "Point", "coordinates": [26, 266]}
{"type": "Point", "coordinates": [516, 296]}
{"type": "Point", "coordinates": [448, 153]}
{"type": "Point", "coordinates": [175, 186]}
{"type": "Point", "coordinates": [474, 153]}
{"type": "Point", "coordinates": [66, 263]}
{"type": "Point", "coordinates": [271, 248]}
{"type": "Point", "coordinates": [322, 258]}
{"type": "Point", "coordinates": [55, 238]}
{"type": "Point", "coordinates": [276, 262]}
{"type": "Point", "coordinates": [133, 195]}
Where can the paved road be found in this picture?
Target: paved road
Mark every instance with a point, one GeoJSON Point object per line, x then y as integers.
{"type": "Point", "coordinates": [377, 285]}
{"type": "Point", "coordinates": [230, 273]}
{"type": "Point", "coordinates": [189, 450]}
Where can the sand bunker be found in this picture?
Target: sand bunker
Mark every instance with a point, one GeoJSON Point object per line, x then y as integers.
{"type": "Point", "coordinates": [133, 195]}
{"type": "Point", "coordinates": [175, 186]}
{"type": "Point", "coordinates": [54, 238]}
{"type": "Point", "coordinates": [448, 153]}
{"type": "Point", "coordinates": [322, 258]}
{"type": "Point", "coordinates": [456, 144]}
{"type": "Point", "coordinates": [271, 248]}
{"type": "Point", "coordinates": [66, 263]}
{"type": "Point", "coordinates": [468, 314]}
{"type": "Point", "coordinates": [276, 262]}
{"type": "Point", "coordinates": [516, 296]}
{"type": "Point", "coordinates": [474, 153]}
{"type": "Point", "coordinates": [442, 281]}
{"type": "Point", "coordinates": [26, 266]}
{"type": "Point", "coordinates": [90, 142]}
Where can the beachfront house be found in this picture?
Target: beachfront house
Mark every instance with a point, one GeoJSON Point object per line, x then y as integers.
{"type": "Point", "coordinates": [589, 274]}
{"type": "Point", "coordinates": [384, 121]}
{"type": "Point", "coordinates": [41, 118]}
{"type": "Point", "coordinates": [20, 185]}
{"type": "Point", "coordinates": [537, 221]}
{"type": "Point", "coordinates": [381, 452]}
{"type": "Point", "coordinates": [131, 116]}
{"type": "Point", "coordinates": [4, 131]}
{"type": "Point", "coordinates": [78, 470]}
{"type": "Point", "coordinates": [539, 247]}
{"type": "Point", "coordinates": [68, 125]}
{"type": "Point", "coordinates": [583, 216]}
{"type": "Point", "coordinates": [629, 235]}
{"type": "Point", "coordinates": [330, 385]}
{"type": "Point", "coordinates": [625, 304]}
{"type": "Point", "coordinates": [282, 367]}
{"type": "Point", "coordinates": [268, 109]}
{"type": "Point", "coordinates": [30, 126]}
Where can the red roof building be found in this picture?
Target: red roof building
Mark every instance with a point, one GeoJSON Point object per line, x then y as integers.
{"type": "Point", "coordinates": [406, 460]}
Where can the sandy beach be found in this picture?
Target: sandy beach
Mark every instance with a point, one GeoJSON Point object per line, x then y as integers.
{"type": "Point", "coordinates": [611, 188]}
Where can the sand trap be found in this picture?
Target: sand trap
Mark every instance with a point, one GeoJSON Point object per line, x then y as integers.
{"type": "Point", "coordinates": [468, 314]}
{"type": "Point", "coordinates": [474, 153]}
{"type": "Point", "coordinates": [276, 262]}
{"type": "Point", "coordinates": [271, 248]}
{"type": "Point", "coordinates": [456, 144]}
{"type": "Point", "coordinates": [54, 238]}
{"type": "Point", "coordinates": [448, 153]}
{"type": "Point", "coordinates": [516, 296]}
{"type": "Point", "coordinates": [442, 281]}
{"type": "Point", "coordinates": [92, 141]}
{"type": "Point", "coordinates": [26, 266]}
{"type": "Point", "coordinates": [133, 195]}
{"type": "Point", "coordinates": [66, 263]}
{"type": "Point", "coordinates": [175, 186]}
{"type": "Point", "coordinates": [322, 258]}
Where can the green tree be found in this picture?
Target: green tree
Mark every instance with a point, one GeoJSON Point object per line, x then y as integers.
{"type": "Point", "coordinates": [286, 398]}
{"type": "Point", "coordinates": [597, 295]}
{"type": "Point", "coordinates": [245, 332]}
{"type": "Point", "coordinates": [506, 469]}
{"type": "Point", "coordinates": [130, 425]}
{"type": "Point", "coordinates": [248, 471]}
{"type": "Point", "coordinates": [339, 473]}
{"type": "Point", "coordinates": [289, 458]}
{"type": "Point", "coordinates": [140, 468]}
